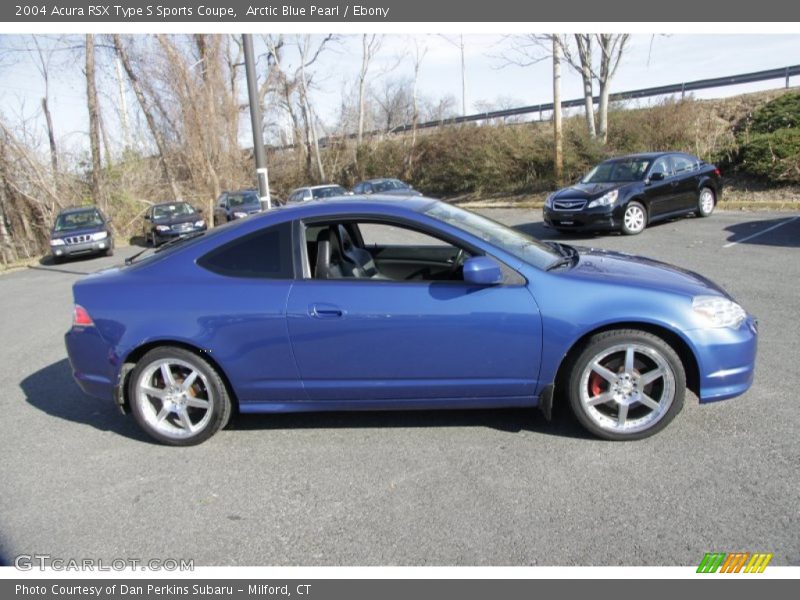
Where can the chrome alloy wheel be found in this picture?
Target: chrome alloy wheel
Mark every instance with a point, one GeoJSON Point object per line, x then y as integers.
{"type": "Point", "coordinates": [627, 388]}
{"type": "Point", "coordinates": [634, 218]}
{"type": "Point", "coordinates": [706, 202]}
{"type": "Point", "coordinates": [175, 398]}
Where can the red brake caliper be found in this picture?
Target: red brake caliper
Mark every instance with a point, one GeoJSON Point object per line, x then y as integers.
{"type": "Point", "coordinates": [595, 384]}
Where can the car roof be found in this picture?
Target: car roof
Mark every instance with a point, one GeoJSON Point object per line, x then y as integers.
{"type": "Point", "coordinates": [642, 155]}
{"type": "Point", "coordinates": [379, 179]}
{"type": "Point", "coordinates": [77, 209]}
{"type": "Point", "coordinates": [170, 203]}
{"type": "Point", "coordinates": [362, 202]}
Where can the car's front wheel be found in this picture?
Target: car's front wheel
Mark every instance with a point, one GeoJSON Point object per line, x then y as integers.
{"type": "Point", "coordinates": [634, 219]}
{"type": "Point", "coordinates": [177, 397]}
{"type": "Point", "coordinates": [706, 202]}
{"type": "Point", "coordinates": [626, 385]}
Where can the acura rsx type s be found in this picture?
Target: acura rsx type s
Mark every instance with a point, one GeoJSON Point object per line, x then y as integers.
{"type": "Point", "coordinates": [354, 304]}
{"type": "Point", "coordinates": [630, 192]}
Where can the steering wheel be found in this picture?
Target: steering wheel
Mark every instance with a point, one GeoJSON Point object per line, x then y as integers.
{"type": "Point", "coordinates": [458, 261]}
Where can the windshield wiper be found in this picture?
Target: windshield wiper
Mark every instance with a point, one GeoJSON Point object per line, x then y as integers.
{"type": "Point", "coordinates": [168, 244]}
{"type": "Point", "coordinates": [568, 255]}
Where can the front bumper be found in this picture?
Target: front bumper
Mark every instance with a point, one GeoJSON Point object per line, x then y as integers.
{"type": "Point", "coordinates": [171, 234]}
{"type": "Point", "coordinates": [602, 218]}
{"type": "Point", "coordinates": [726, 359]}
{"type": "Point", "coordinates": [82, 249]}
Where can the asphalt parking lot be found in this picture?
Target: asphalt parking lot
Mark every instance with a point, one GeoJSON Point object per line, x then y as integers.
{"type": "Point", "coordinates": [503, 487]}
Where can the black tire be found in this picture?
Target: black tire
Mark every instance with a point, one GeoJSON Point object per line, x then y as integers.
{"type": "Point", "coordinates": [206, 386]}
{"type": "Point", "coordinates": [634, 219]}
{"type": "Point", "coordinates": [57, 260]}
{"type": "Point", "coordinates": [153, 240]}
{"type": "Point", "coordinates": [110, 251]}
{"type": "Point", "coordinates": [706, 202]}
{"type": "Point", "coordinates": [630, 390]}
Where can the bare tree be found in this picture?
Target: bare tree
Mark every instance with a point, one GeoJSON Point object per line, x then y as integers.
{"type": "Point", "coordinates": [98, 191]}
{"type": "Point", "coordinates": [308, 56]}
{"type": "Point", "coordinates": [44, 69]}
{"type": "Point", "coordinates": [612, 47]}
{"type": "Point", "coordinates": [149, 114]}
{"type": "Point", "coordinates": [459, 43]}
{"type": "Point", "coordinates": [558, 137]}
{"type": "Point", "coordinates": [370, 44]}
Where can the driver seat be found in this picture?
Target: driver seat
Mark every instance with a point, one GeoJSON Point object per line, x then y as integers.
{"type": "Point", "coordinates": [357, 262]}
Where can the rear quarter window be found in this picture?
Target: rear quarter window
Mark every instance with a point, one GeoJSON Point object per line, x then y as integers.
{"type": "Point", "coordinates": [264, 254]}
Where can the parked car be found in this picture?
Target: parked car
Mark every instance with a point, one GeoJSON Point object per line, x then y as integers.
{"type": "Point", "coordinates": [81, 231]}
{"type": "Point", "coordinates": [391, 187]}
{"type": "Point", "coordinates": [630, 192]}
{"type": "Point", "coordinates": [168, 220]}
{"type": "Point", "coordinates": [236, 205]}
{"type": "Point", "coordinates": [401, 304]}
{"type": "Point", "coordinates": [316, 192]}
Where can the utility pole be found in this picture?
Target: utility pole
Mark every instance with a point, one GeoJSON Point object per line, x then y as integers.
{"type": "Point", "coordinates": [257, 123]}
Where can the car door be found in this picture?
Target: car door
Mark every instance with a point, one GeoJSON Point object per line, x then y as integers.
{"type": "Point", "coordinates": [660, 193]}
{"type": "Point", "coordinates": [382, 340]}
{"type": "Point", "coordinates": [687, 181]}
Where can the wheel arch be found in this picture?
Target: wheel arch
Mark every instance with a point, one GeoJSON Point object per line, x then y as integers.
{"type": "Point", "coordinates": [681, 347]}
{"type": "Point", "coordinates": [133, 357]}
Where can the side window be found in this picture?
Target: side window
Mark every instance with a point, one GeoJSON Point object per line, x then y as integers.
{"type": "Point", "coordinates": [307, 195]}
{"type": "Point", "coordinates": [682, 164]}
{"type": "Point", "coordinates": [381, 234]}
{"type": "Point", "coordinates": [367, 188]}
{"type": "Point", "coordinates": [265, 254]}
{"type": "Point", "coordinates": [662, 166]}
{"type": "Point", "coordinates": [358, 189]}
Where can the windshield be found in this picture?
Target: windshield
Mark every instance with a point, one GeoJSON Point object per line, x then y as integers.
{"type": "Point", "coordinates": [327, 192]}
{"type": "Point", "coordinates": [625, 169]}
{"type": "Point", "coordinates": [389, 185]}
{"type": "Point", "coordinates": [516, 243]}
{"type": "Point", "coordinates": [243, 198]}
{"type": "Point", "coordinates": [178, 209]}
{"type": "Point", "coordinates": [78, 220]}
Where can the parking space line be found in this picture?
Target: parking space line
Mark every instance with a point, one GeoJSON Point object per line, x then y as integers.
{"type": "Point", "coordinates": [750, 237]}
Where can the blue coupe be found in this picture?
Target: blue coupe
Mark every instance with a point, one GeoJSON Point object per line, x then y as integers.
{"type": "Point", "coordinates": [357, 304]}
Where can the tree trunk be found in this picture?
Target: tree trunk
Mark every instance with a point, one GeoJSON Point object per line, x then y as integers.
{"type": "Point", "coordinates": [584, 43]}
{"type": "Point", "coordinates": [8, 250]}
{"type": "Point", "coordinates": [98, 193]}
{"type": "Point", "coordinates": [558, 158]}
{"type": "Point", "coordinates": [51, 136]}
{"type": "Point", "coordinates": [148, 114]}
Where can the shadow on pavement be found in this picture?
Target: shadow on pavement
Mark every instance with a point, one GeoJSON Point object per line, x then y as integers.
{"type": "Point", "coordinates": [511, 420]}
{"type": "Point", "coordinates": [770, 232]}
{"type": "Point", "coordinates": [53, 391]}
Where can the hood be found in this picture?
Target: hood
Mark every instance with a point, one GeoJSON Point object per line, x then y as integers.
{"type": "Point", "coordinates": [589, 191]}
{"type": "Point", "coordinates": [56, 235]}
{"type": "Point", "coordinates": [178, 219]}
{"type": "Point", "coordinates": [406, 192]}
{"type": "Point", "coordinates": [610, 267]}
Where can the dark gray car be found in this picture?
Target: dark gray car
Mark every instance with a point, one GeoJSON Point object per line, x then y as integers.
{"type": "Point", "coordinates": [80, 231]}
{"type": "Point", "coordinates": [236, 205]}
{"type": "Point", "coordinates": [385, 185]}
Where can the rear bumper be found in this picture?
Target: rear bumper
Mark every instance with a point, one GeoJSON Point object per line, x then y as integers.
{"type": "Point", "coordinates": [726, 359]}
{"type": "Point", "coordinates": [92, 360]}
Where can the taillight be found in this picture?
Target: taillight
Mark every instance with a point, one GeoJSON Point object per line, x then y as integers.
{"type": "Point", "coordinates": [80, 317]}
{"type": "Point", "coordinates": [717, 173]}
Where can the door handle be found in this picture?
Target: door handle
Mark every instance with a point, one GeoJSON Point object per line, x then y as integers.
{"type": "Point", "coordinates": [325, 311]}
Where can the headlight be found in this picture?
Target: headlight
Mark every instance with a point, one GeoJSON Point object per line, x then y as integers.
{"type": "Point", "coordinates": [719, 311]}
{"type": "Point", "coordinates": [100, 235]}
{"type": "Point", "coordinates": [605, 200]}
{"type": "Point", "coordinates": [240, 215]}
{"type": "Point", "coordinates": [162, 228]}
{"type": "Point", "coordinates": [548, 203]}
{"type": "Point", "coordinates": [199, 223]}
{"type": "Point", "coordinates": [57, 242]}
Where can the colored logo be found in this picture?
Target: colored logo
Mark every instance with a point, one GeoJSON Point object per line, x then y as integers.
{"type": "Point", "coordinates": [735, 562]}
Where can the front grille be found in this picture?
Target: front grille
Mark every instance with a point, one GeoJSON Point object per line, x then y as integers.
{"type": "Point", "coordinates": [182, 227]}
{"type": "Point", "coordinates": [78, 239]}
{"type": "Point", "coordinates": [569, 204]}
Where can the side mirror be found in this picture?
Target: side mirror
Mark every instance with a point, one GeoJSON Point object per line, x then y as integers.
{"type": "Point", "coordinates": [147, 217]}
{"type": "Point", "coordinates": [200, 210]}
{"type": "Point", "coordinates": [482, 270]}
{"type": "Point", "coordinates": [657, 176]}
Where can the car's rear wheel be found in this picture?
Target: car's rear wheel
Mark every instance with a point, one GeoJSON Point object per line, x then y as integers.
{"type": "Point", "coordinates": [634, 219]}
{"type": "Point", "coordinates": [706, 202]}
{"type": "Point", "coordinates": [626, 385]}
{"type": "Point", "coordinates": [153, 240]}
{"type": "Point", "coordinates": [177, 397]}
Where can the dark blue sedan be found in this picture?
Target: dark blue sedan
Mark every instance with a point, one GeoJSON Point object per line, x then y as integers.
{"type": "Point", "coordinates": [355, 304]}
